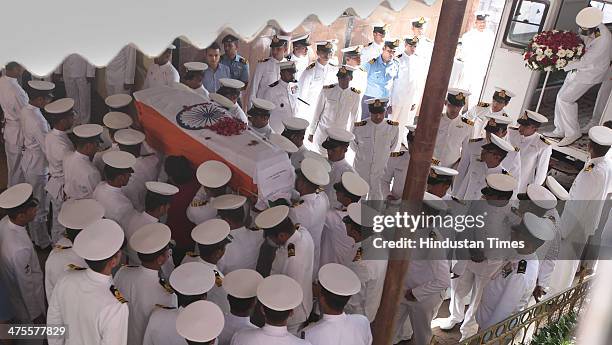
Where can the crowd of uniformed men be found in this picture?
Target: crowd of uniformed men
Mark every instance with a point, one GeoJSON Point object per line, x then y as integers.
{"type": "Point", "coordinates": [148, 250]}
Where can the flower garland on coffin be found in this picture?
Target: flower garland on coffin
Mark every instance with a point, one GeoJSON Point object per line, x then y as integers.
{"type": "Point", "coordinates": [553, 50]}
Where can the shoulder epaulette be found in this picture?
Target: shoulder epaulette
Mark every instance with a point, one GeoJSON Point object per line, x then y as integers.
{"type": "Point", "coordinates": [393, 123]}
{"type": "Point", "coordinates": [467, 121]}
{"type": "Point", "coordinates": [506, 172]}
{"type": "Point", "coordinates": [198, 203]}
{"type": "Point", "coordinates": [399, 56]}
{"type": "Point", "coordinates": [166, 286]}
{"type": "Point", "coordinates": [590, 167]}
{"type": "Point", "coordinates": [355, 90]}
{"type": "Point", "coordinates": [358, 255]}
{"type": "Point", "coordinates": [311, 65]}
{"type": "Point", "coordinates": [369, 44]}
{"type": "Point", "coordinates": [475, 140]}
{"type": "Point", "coordinates": [274, 84]}
{"type": "Point", "coordinates": [522, 267]}
{"type": "Point", "coordinates": [297, 203]}
{"type": "Point", "coordinates": [218, 279]}
{"type": "Point", "coordinates": [60, 247]}
{"type": "Point", "coordinates": [131, 266]}
{"type": "Point", "coordinates": [288, 57]}
{"type": "Point", "coordinates": [164, 306]}
{"type": "Point", "coordinates": [516, 149]}
{"type": "Point", "coordinates": [117, 294]}
{"type": "Point", "coordinates": [361, 123]}
{"type": "Point", "coordinates": [397, 154]}
{"type": "Point", "coordinates": [331, 86]}
{"type": "Point", "coordinates": [290, 250]}
{"type": "Point", "coordinates": [483, 104]}
{"type": "Point", "coordinates": [361, 69]}
{"type": "Point", "coordinates": [191, 254]}
{"type": "Point", "coordinates": [546, 141]}
{"type": "Point", "coordinates": [513, 128]}
{"type": "Point", "coordinates": [372, 61]}
{"type": "Point", "coordinates": [264, 60]}
{"type": "Point", "coordinates": [243, 60]}
{"type": "Point", "coordinates": [435, 161]}
{"type": "Point", "coordinates": [74, 267]}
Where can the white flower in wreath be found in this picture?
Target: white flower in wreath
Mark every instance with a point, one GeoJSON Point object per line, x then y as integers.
{"type": "Point", "coordinates": [579, 50]}
{"type": "Point", "coordinates": [540, 57]}
{"type": "Point", "coordinates": [560, 63]}
{"type": "Point", "coordinates": [561, 53]}
{"type": "Point", "coordinates": [535, 65]}
{"type": "Point", "coordinates": [548, 69]}
{"type": "Point", "coordinates": [539, 52]}
{"type": "Point", "coordinates": [548, 52]}
{"type": "Point", "coordinates": [569, 53]}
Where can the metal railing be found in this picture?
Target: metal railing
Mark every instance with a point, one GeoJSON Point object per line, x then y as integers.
{"type": "Point", "coordinates": [521, 327]}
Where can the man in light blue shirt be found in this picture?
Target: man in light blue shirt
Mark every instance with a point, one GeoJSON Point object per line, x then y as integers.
{"type": "Point", "coordinates": [239, 67]}
{"type": "Point", "coordinates": [382, 72]}
{"type": "Point", "coordinates": [215, 69]}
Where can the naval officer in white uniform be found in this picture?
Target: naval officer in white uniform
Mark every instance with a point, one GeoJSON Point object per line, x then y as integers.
{"type": "Point", "coordinates": [241, 287]}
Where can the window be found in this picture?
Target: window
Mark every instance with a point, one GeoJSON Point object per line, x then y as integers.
{"type": "Point", "coordinates": [527, 19]}
{"type": "Point", "coordinates": [606, 8]}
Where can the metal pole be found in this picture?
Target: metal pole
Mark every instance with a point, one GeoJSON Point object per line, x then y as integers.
{"type": "Point", "coordinates": [447, 36]}
{"type": "Point", "coordinates": [537, 109]}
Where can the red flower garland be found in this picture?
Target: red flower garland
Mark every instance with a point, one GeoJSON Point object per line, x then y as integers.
{"type": "Point", "coordinates": [228, 126]}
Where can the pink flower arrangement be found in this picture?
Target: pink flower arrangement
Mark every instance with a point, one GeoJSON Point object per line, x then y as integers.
{"type": "Point", "coordinates": [552, 50]}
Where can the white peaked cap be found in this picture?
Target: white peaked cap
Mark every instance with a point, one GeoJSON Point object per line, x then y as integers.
{"type": "Point", "coordinates": [201, 321]}
{"type": "Point", "coordinates": [556, 188]}
{"type": "Point", "coordinates": [195, 66]}
{"type": "Point", "coordinates": [128, 136]}
{"type": "Point", "coordinates": [501, 143]}
{"type": "Point", "coordinates": [231, 83]}
{"type": "Point", "coordinates": [213, 174]}
{"type": "Point", "coordinates": [41, 85]}
{"type": "Point", "coordinates": [354, 184]}
{"type": "Point", "coordinates": [540, 228]}
{"type": "Point", "coordinates": [228, 202]}
{"type": "Point", "coordinates": [161, 188]}
{"type": "Point", "coordinates": [15, 196]}
{"type": "Point", "coordinates": [295, 123]}
{"type": "Point", "coordinates": [272, 216]}
{"type": "Point", "coordinates": [541, 196]}
{"type": "Point", "coordinates": [211, 231]}
{"type": "Point", "coordinates": [150, 238]}
{"type": "Point", "coordinates": [60, 106]}
{"type": "Point", "coordinates": [99, 240]}
{"type": "Point", "coordinates": [589, 17]}
{"type": "Point", "coordinates": [339, 279]}
{"type": "Point", "coordinates": [601, 135]}
{"type": "Point", "coordinates": [89, 130]}
{"type": "Point", "coordinates": [222, 101]}
{"type": "Point", "coordinates": [435, 202]}
{"type": "Point", "coordinates": [242, 283]}
{"type": "Point", "coordinates": [283, 65]}
{"type": "Point", "coordinates": [444, 170]}
{"type": "Point", "coordinates": [537, 117]}
{"type": "Point", "coordinates": [119, 100]}
{"type": "Point", "coordinates": [280, 292]}
{"type": "Point", "coordinates": [501, 182]}
{"type": "Point", "coordinates": [263, 104]}
{"type": "Point", "coordinates": [506, 91]}
{"type": "Point", "coordinates": [192, 278]}
{"type": "Point", "coordinates": [283, 143]}
{"type": "Point", "coordinates": [340, 134]}
{"type": "Point", "coordinates": [315, 155]}
{"type": "Point", "coordinates": [117, 120]}
{"type": "Point", "coordinates": [314, 172]}
{"type": "Point", "coordinates": [119, 159]}
{"type": "Point", "coordinates": [499, 119]}
{"type": "Point", "coordinates": [356, 211]}
{"type": "Point", "coordinates": [78, 214]}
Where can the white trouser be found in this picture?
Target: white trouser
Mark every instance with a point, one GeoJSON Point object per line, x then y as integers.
{"type": "Point", "coordinates": [318, 138]}
{"type": "Point", "coordinates": [79, 90]}
{"type": "Point", "coordinates": [375, 180]}
{"type": "Point", "coordinates": [38, 227]}
{"type": "Point", "coordinates": [419, 314]}
{"type": "Point", "coordinates": [566, 106]}
{"type": "Point", "coordinates": [13, 144]}
{"type": "Point", "coordinates": [602, 100]}
{"type": "Point", "coordinates": [55, 192]}
{"type": "Point", "coordinates": [403, 113]}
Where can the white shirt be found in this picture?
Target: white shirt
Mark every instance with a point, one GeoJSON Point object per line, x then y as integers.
{"type": "Point", "coordinates": [267, 335]}
{"type": "Point", "coordinates": [34, 128]}
{"type": "Point", "coordinates": [80, 177]}
{"type": "Point", "coordinates": [424, 49]}
{"type": "Point", "coordinates": [340, 329]}
{"type": "Point", "coordinates": [297, 264]}
{"type": "Point", "coordinates": [298, 157]}
{"type": "Point", "coordinates": [310, 213]}
{"type": "Point", "coordinates": [360, 80]}
{"type": "Point", "coordinates": [243, 251]}
{"type": "Point", "coordinates": [84, 300]}
{"type": "Point", "coordinates": [266, 72]}
{"type": "Point", "coordinates": [310, 85]}
{"type": "Point", "coordinates": [535, 155]}
{"type": "Point", "coordinates": [143, 288]}
{"type": "Point", "coordinates": [301, 62]}
{"type": "Point", "coordinates": [475, 180]}
{"type": "Point", "coordinates": [336, 245]}
{"type": "Point", "coordinates": [217, 294]}
{"type": "Point", "coordinates": [201, 209]}
{"type": "Point", "coordinates": [12, 99]}
{"type": "Point", "coordinates": [20, 271]}
{"type": "Point", "coordinates": [479, 114]}
{"type": "Point", "coordinates": [145, 170]}
{"type": "Point", "coordinates": [117, 206]}
{"type": "Point", "coordinates": [395, 174]}
{"type": "Point", "coordinates": [263, 132]}
{"type": "Point", "coordinates": [336, 108]}
{"type": "Point", "coordinates": [284, 97]}
{"type": "Point", "coordinates": [164, 75]}
{"type": "Point", "coordinates": [122, 68]}
{"type": "Point", "coordinates": [161, 329]}
{"type": "Point", "coordinates": [371, 273]}
{"type": "Point", "coordinates": [451, 135]}
{"type": "Point", "coordinates": [593, 66]}
{"type": "Point", "coordinates": [133, 223]}
{"type": "Point", "coordinates": [233, 324]}
{"type": "Point", "coordinates": [335, 175]}
{"type": "Point", "coordinates": [428, 274]}
{"type": "Point", "coordinates": [371, 51]}
{"type": "Point", "coordinates": [57, 146]}
{"type": "Point", "coordinates": [58, 264]}
{"type": "Point", "coordinates": [409, 78]}
{"type": "Point", "coordinates": [75, 66]}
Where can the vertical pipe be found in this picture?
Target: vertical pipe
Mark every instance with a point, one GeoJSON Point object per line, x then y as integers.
{"type": "Point", "coordinates": [447, 36]}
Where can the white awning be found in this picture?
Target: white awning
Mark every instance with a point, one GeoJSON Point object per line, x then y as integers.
{"type": "Point", "coordinates": [39, 34]}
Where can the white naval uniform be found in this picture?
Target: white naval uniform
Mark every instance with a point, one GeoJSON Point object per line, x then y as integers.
{"type": "Point", "coordinates": [266, 72]}
{"type": "Point", "coordinates": [263, 132]}
{"type": "Point", "coordinates": [217, 294]}
{"type": "Point", "coordinates": [12, 99]}
{"type": "Point", "coordinates": [335, 175]}
{"type": "Point", "coordinates": [298, 157]}
{"type": "Point", "coordinates": [145, 170]}
{"type": "Point", "coordinates": [85, 301]}
{"type": "Point", "coordinates": [428, 278]}
{"type": "Point", "coordinates": [233, 324]}
{"type": "Point", "coordinates": [405, 96]}
{"type": "Point", "coordinates": [394, 178]}
{"type": "Point", "coordinates": [479, 114]}
{"type": "Point", "coordinates": [143, 288]}
{"type": "Point", "coordinates": [343, 329]}
{"type": "Point", "coordinates": [116, 204]}
{"type": "Point", "coordinates": [75, 70]}
{"type": "Point", "coordinates": [20, 271]}
{"type": "Point", "coordinates": [476, 49]}
{"type": "Point", "coordinates": [97, 160]}
{"type": "Point", "coordinates": [335, 108]}
{"type": "Point", "coordinates": [360, 80]}
{"type": "Point", "coordinates": [371, 273]}
{"type": "Point", "coordinates": [300, 64]}
{"type": "Point", "coordinates": [267, 335]}
{"type": "Point", "coordinates": [550, 251]}
{"type": "Point", "coordinates": [590, 70]}
{"type": "Point", "coordinates": [373, 145]}
{"type": "Point", "coordinates": [296, 259]}
{"type": "Point", "coordinates": [424, 49]}
{"type": "Point", "coordinates": [57, 264]}
{"type": "Point", "coordinates": [284, 97]}
{"type": "Point", "coordinates": [310, 85]}
{"type": "Point", "coordinates": [238, 113]}
{"type": "Point", "coordinates": [371, 51]}
{"type": "Point", "coordinates": [34, 128]}
{"type": "Point", "coordinates": [81, 176]}
{"type": "Point", "coordinates": [535, 156]}
{"type": "Point", "coordinates": [457, 73]}
{"type": "Point", "coordinates": [336, 245]}
{"type": "Point", "coordinates": [243, 251]}
{"type": "Point", "coordinates": [580, 218]}
{"type": "Point", "coordinates": [120, 71]}
{"type": "Point", "coordinates": [201, 209]}
{"type": "Point", "coordinates": [164, 75]}
{"type": "Point", "coordinates": [310, 213]}
{"type": "Point", "coordinates": [475, 180]}
{"type": "Point", "coordinates": [57, 146]}
{"type": "Point", "coordinates": [508, 291]}
{"type": "Point", "coordinates": [472, 149]}
{"type": "Point", "coordinates": [161, 328]}
{"type": "Point", "coordinates": [451, 135]}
